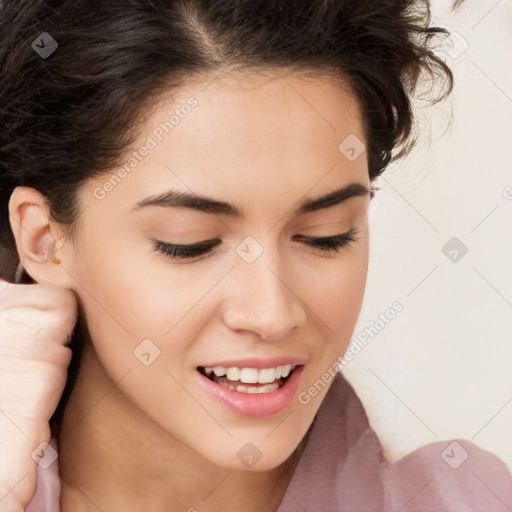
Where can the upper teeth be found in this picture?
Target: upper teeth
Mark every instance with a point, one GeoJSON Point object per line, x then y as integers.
{"type": "Point", "coordinates": [251, 375]}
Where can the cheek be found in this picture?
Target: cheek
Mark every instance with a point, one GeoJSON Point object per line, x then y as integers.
{"type": "Point", "coordinates": [339, 293]}
{"type": "Point", "coordinates": [335, 300]}
{"type": "Point", "coordinates": [128, 296]}
{"type": "Point", "coordinates": [117, 299]}
{"type": "Point", "coordinates": [117, 286]}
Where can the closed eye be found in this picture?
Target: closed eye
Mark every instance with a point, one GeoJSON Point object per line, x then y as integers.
{"type": "Point", "coordinates": [326, 244]}
{"type": "Point", "coordinates": [330, 243]}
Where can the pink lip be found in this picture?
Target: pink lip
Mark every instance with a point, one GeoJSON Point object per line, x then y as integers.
{"type": "Point", "coordinates": [248, 404]}
{"type": "Point", "coordinates": [257, 363]}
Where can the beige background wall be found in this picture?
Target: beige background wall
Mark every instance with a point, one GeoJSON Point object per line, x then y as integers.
{"type": "Point", "coordinates": [442, 368]}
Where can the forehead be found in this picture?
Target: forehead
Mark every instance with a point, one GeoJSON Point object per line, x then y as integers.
{"type": "Point", "coordinates": [256, 134]}
{"type": "Point", "coordinates": [256, 117]}
{"type": "Point", "coordinates": [262, 102]}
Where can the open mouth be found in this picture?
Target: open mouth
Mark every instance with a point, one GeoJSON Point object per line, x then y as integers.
{"type": "Point", "coordinates": [249, 380]}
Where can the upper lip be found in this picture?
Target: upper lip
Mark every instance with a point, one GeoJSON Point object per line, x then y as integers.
{"type": "Point", "coordinates": [254, 362]}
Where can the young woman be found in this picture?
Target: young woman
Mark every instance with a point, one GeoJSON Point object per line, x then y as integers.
{"type": "Point", "coordinates": [197, 175]}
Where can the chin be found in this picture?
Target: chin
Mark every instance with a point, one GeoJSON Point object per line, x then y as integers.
{"type": "Point", "coordinates": [254, 456]}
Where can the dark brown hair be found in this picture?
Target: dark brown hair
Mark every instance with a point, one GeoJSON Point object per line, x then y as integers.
{"type": "Point", "coordinates": [72, 115]}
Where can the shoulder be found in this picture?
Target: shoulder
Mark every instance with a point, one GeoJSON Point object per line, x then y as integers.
{"type": "Point", "coordinates": [444, 476]}
{"type": "Point", "coordinates": [448, 476]}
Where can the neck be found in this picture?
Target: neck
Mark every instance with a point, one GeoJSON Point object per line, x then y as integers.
{"type": "Point", "coordinates": [112, 457]}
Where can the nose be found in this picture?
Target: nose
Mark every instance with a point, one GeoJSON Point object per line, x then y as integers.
{"type": "Point", "coordinates": [262, 300]}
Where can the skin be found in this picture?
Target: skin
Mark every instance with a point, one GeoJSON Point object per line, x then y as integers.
{"type": "Point", "coordinates": [138, 437]}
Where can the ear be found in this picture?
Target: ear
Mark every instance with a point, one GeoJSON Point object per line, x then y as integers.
{"type": "Point", "coordinates": [40, 242]}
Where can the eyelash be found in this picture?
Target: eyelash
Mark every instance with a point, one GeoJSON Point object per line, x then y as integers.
{"type": "Point", "coordinates": [327, 244]}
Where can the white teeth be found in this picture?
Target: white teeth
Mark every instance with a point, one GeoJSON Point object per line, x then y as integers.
{"type": "Point", "coordinates": [218, 370]}
{"type": "Point", "coordinates": [251, 375]}
{"type": "Point", "coordinates": [233, 373]}
{"type": "Point", "coordinates": [269, 388]}
{"type": "Point", "coordinates": [286, 370]}
{"type": "Point", "coordinates": [267, 375]}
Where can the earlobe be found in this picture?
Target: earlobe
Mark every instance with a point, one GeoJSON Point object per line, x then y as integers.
{"type": "Point", "coordinates": [37, 238]}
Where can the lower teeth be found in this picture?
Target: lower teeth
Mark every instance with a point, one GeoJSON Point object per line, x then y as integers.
{"type": "Point", "coordinates": [247, 388]}
{"type": "Point", "coordinates": [241, 388]}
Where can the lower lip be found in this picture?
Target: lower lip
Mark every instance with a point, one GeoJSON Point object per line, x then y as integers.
{"type": "Point", "coordinates": [254, 404]}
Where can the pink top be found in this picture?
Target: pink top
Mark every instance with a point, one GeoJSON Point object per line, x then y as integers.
{"type": "Point", "coordinates": [342, 468]}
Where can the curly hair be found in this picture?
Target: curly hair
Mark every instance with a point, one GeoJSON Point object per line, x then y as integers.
{"type": "Point", "coordinates": [74, 114]}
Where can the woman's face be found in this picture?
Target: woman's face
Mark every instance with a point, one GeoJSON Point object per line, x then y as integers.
{"type": "Point", "coordinates": [262, 297]}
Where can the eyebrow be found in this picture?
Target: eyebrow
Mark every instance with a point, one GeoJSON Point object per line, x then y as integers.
{"type": "Point", "coordinates": [184, 199]}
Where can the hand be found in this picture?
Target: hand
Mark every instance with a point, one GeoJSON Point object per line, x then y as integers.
{"type": "Point", "coordinates": [36, 322]}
